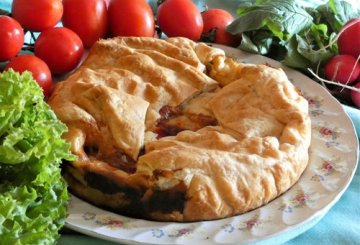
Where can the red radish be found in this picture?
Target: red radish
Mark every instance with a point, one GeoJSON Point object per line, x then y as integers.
{"type": "Point", "coordinates": [349, 39]}
{"type": "Point", "coordinates": [342, 68]}
{"type": "Point", "coordinates": [355, 96]}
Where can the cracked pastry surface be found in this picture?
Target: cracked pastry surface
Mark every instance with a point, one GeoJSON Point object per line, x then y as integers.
{"type": "Point", "coordinates": [174, 130]}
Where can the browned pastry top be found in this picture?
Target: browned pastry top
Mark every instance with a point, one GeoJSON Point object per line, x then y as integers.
{"type": "Point", "coordinates": [174, 130]}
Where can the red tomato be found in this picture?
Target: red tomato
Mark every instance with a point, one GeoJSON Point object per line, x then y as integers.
{"type": "Point", "coordinates": [87, 18]}
{"type": "Point", "coordinates": [60, 48]}
{"type": "Point", "coordinates": [37, 15]}
{"type": "Point", "coordinates": [131, 18]}
{"type": "Point", "coordinates": [180, 18]}
{"type": "Point", "coordinates": [216, 20]}
{"type": "Point", "coordinates": [11, 37]}
{"type": "Point", "coordinates": [40, 71]}
{"type": "Point", "coordinates": [349, 39]}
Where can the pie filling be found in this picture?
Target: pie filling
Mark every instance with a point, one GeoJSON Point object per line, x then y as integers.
{"type": "Point", "coordinates": [138, 202]}
{"type": "Point", "coordinates": [115, 158]}
{"type": "Point", "coordinates": [173, 120]}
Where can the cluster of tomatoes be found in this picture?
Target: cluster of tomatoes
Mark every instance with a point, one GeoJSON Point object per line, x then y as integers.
{"type": "Point", "coordinates": [58, 48]}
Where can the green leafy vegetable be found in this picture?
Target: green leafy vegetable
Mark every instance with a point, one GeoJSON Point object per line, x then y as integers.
{"type": "Point", "coordinates": [297, 36]}
{"type": "Point", "coordinates": [283, 18]}
{"type": "Point", "coordinates": [33, 195]}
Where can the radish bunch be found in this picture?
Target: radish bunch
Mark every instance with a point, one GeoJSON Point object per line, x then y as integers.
{"type": "Point", "coordinates": [345, 67]}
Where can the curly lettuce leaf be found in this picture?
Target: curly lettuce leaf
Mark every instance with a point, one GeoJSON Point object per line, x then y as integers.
{"type": "Point", "coordinates": [33, 195]}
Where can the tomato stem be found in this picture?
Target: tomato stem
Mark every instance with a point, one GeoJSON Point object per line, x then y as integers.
{"type": "Point", "coordinates": [158, 31]}
{"type": "Point", "coordinates": [209, 36]}
{"type": "Point", "coordinates": [4, 12]}
{"type": "Point", "coordinates": [33, 36]}
{"type": "Point", "coordinates": [159, 2]}
{"type": "Point", "coordinates": [28, 47]}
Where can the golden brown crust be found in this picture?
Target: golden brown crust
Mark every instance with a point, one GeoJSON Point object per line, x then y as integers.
{"type": "Point", "coordinates": [238, 134]}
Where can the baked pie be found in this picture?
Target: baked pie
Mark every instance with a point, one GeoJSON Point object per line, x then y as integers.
{"type": "Point", "coordinates": [173, 130]}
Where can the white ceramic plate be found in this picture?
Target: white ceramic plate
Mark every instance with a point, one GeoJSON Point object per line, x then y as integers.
{"type": "Point", "coordinates": [333, 160]}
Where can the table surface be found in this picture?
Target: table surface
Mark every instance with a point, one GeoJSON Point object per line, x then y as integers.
{"type": "Point", "coordinates": [341, 225]}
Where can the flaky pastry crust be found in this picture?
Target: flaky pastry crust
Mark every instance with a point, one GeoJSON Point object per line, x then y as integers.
{"type": "Point", "coordinates": [174, 130]}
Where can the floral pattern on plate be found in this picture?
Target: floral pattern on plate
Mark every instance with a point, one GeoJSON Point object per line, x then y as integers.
{"type": "Point", "coordinates": [299, 200]}
{"type": "Point", "coordinates": [246, 225]}
{"type": "Point", "coordinates": [332, 164]}
{"type": "Point", "coordinates": [173, 233]}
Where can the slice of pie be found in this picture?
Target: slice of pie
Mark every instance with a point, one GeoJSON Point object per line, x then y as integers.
{"type": "Point", "coordinates": [174, 130]}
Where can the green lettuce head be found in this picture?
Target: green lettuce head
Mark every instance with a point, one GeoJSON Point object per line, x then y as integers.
{"type": "Point", "coordinates": [33, 195]}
